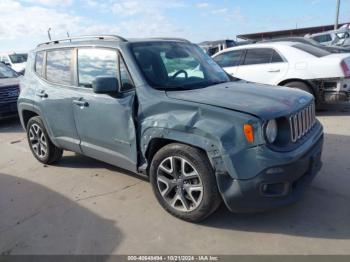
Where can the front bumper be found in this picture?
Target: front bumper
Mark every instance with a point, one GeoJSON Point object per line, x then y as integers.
{"type": "Point", "coordinates": [274, 187]}
{"type": "Point", "coordinates": [8, 109]}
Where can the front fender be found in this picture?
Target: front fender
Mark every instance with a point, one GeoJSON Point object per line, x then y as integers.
{"type": "Point", "coordinates": [217, 131]}
{"type": "Point", "coordinates": [210, 145]}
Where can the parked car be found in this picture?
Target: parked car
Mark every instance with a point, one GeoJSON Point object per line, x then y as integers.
{"type": "Point", "coordinates": [314, 70]}
{"type": "Point", "coordinates": [9, 91]}
{"type": "Point", "coordinates": [309, 41]}
{"type": "Point", "coordinates": [324, 38]}
{"type": "Point", "coordinates": [17, 61]}
{"type": "Point", "coordinates": [200, 136]}
{"type": "Point", "coordinates": [339, 37]}
{"type": "Point", "coordinates": [212, 47]}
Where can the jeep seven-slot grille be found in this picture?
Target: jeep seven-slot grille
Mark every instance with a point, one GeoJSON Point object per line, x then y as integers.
{"type": "Point", "coordinates": [302, 122]}
{"type": "Point", "coordinates": [9, 93]}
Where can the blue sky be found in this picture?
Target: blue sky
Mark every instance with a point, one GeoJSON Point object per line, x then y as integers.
{"type": "Point", "coordinates": [23, 23]}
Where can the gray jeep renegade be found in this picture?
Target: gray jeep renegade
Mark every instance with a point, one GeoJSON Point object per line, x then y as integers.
{"type": "Point", "coordinates": [163, 108]}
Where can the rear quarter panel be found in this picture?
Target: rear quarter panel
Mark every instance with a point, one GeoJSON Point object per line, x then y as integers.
{"type": "Point", "coordinates": [305, 66]}
{"type": "Point", "coordinates": [27, 89]}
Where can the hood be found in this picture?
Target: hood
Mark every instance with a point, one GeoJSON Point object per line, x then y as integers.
{"type": "Point", "coordinates": [19, 67]}
{"type": "Point", "coordinates": [263, 101]}
{"type": "Point", "coordinates": [9, 82]}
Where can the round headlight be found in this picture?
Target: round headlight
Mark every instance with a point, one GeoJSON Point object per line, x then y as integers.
{"type": "Point", "coordinates": [271, 131]}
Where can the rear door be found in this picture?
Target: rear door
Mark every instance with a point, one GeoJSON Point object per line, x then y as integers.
{"type": "Point", "coordinates": [105, 121]}
{"type": "Point", "coordinates": [262, 65]}
{"type": "Point", "coordinates": [53, 97]}
{"type": "Point", "coordinates": [230, 61]}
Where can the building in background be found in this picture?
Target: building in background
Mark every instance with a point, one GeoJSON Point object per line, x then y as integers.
{"type": "Point", "coordinates": [286, 33]}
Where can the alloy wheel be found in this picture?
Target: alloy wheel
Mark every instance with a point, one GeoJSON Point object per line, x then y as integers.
{"type": "Point", "coordinates": [38, 141]}
{"type": "Point", "coordinates": [179, 184]}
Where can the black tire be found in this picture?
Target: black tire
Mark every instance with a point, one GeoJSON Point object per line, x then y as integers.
{"type": "Point", "coordinates": [53, 153]}
{"type": "Point", "coordinates": [301, 86]}
{"type": "Point", "coordinates": [210, 198]}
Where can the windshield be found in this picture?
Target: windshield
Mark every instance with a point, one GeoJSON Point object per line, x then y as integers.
{"type": "Point", "coordinates": [6, 72]}
{"type": "Point", "coordinates": [18, 58]}
{"type": "Point", "coordinates": [174, 65]}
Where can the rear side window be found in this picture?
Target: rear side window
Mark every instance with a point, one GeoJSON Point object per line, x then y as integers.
{"type": "Point", "coordinates": [276, 58]}
{"type": "Point", "coordinates": [231, 58]}
{"type": "Point", "coordinates": [93, 62]}
{"type": "Point", "coordinates": [39, 61]}
{"type": "Point", "coordinates": [58, 66]}
{"type": "Point", "coordinates": [312, 50]}
{"type": "Point", "coordinates": [257, 56]}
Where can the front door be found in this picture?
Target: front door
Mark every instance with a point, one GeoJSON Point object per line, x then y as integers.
{"type": "Point", "coordinates": [230, 61]}
{"type": "Point", "coordinates": [105, 122]}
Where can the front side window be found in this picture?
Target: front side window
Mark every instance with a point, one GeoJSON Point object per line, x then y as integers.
{"type": "Point", "coordinates": [93, 62]}
{"type": "Point", "coordinates": [126, 83]}
{"type": "Point", "coordinates": [39, 60]}
{"type": "Point", "coordinates": [177, 65]}
{"type": "Point", "coordinates": [58, 66]}
{"type": "Point", "coordinates": [228, 59]}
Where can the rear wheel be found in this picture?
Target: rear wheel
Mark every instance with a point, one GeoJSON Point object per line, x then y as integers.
{"type": "Point", "coordinates": [40, 144]}
{"type": "Point", "coordinates": [184, 182]}
{"type": "Point", "coordinates": [300, 85]}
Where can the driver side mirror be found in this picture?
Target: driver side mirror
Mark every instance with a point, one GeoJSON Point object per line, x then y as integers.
{"type": "Point", "coordinates": [105, 85]}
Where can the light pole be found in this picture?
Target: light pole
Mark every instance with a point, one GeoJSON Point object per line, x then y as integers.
{"type": "Point", "coordinates": [337, 15]}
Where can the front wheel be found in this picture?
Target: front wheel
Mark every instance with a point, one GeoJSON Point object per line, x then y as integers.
{"type": "Point", "coordinates": [184, 182]}
{"type": "Point", "coordinates": [40, 144]}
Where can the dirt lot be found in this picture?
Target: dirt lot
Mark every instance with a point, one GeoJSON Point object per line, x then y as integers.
{"type": "Point", "coordinates": [83, 206]}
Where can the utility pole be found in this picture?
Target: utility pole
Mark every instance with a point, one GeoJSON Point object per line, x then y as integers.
{"type": "Point", "coordinates": [337, 15]}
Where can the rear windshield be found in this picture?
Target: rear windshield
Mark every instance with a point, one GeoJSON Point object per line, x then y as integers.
{"type": "Point", "coordinates": [312, 50]}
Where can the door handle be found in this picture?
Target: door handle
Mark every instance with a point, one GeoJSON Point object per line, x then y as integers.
{"type": "Point", "coordinates": [274, 70]}
{"type": "Point", "coordinates": [41, 93]}
{"type": "Point", "coordinates": [80, 102]}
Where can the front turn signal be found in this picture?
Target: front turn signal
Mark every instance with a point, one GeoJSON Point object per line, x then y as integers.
{"type": "Point", "coordinates": [249, 132]}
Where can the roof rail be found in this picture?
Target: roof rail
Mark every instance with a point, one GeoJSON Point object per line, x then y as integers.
{"type": "Point", "coordinates": [85, 37]}
{"type": "Point", "coordinates": [172, 38]}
